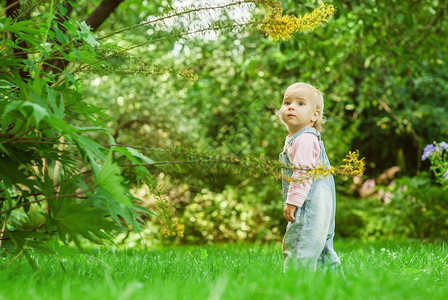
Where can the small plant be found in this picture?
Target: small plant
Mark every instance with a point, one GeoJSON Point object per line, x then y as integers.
{"type": "Point", "coordinates": [281, 26]}
{"type": "Point", "coordinates": [438, 156]}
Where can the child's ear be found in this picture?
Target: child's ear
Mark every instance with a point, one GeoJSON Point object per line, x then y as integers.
{"type": "Point", "coordinates": [316, 115]}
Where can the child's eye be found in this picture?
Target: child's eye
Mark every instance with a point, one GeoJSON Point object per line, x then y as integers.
{"type": "Point", "coordinates": [286, 103]}
{"type": "Point", "coordinates": [302, 103]}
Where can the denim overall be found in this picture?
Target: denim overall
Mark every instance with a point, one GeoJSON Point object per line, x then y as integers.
{"type": "Point", "coordinates": [308, 240]}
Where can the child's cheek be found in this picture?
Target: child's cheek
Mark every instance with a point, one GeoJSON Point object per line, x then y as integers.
{"type": "Point", "coordinates": [282, 110]}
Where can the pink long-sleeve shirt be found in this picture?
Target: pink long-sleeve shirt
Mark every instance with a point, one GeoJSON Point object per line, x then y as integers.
{"type": "Point", "coordinates": [304, 152]}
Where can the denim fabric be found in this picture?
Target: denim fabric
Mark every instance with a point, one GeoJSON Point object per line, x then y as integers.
{"type": "Point", "coordinates": [308, 240]}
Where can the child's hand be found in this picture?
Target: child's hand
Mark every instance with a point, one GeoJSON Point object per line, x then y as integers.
{"type": "Point", "coordinates": [288, 212]}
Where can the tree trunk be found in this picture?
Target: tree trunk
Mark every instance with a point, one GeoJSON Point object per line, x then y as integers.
{"type": "Point", "coordinates": [12, 11]}
{"type": "Point", "coordinates": [102, 12]}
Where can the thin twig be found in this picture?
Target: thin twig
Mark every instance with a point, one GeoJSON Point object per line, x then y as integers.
{"type": "Point", "coordinates": [58, 163]}
{"type": "Point", "coordinates": [33, 140]}
{"type": "Point", "coordinates": [179, 35]}
{"type": "Point", "coordinates": [3, 230]}
{"type": "Point", "coordinates": [29, 231]}
{"type": "Point", "coordinates": [176, 14]}
{"type": "Point", "coordinates": [136, 147]}
{"type": "Point", "coordinates": [21, 251]}
{"type": "Point", "coordinates": [162, 163]}
{"type": "Point", "coordinates": [18, 196]}
{"type": "Point", "coordinates": [54, 197]}
{"type": "Point", "coordinates": [10, 6]}
{"type": "Point", "coordinates": [389, 110]}
{"type": "Point", "coordinates": [17, 137]}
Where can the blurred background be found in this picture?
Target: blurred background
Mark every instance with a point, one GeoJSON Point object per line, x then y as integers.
{"type": "Point", "coordinates": [382, 68]}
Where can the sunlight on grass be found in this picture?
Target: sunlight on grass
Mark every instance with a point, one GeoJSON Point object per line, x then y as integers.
{"type": "Point", "coordinates": [373, 270]}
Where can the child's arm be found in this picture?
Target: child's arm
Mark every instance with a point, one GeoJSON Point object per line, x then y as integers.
{"type": "Point", "coordinates": [305, 153]}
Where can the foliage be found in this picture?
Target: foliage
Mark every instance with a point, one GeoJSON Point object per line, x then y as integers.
{"type": "Point", "coordinates": [229, 216]}
{"type": "Point", "coordinates": [279, 26]}
{"type": "Point", "coordinates": [61, 175]}
{"type": "Point", "coordinates": [236, 213]}
{"type": "Point", "coordinates": [353, 166]}
{"type": "Point", "coordinates": [380, 74]}
{"type": "Point", "coordinates": [373, 84]}
{"type": "Point", "coordinates": [380, 66]}
{"type": "Point", "coordinates": [398, 269]}
{"type": "Point", "coordinates": [411, 207]}
{"type": "Point", "coordinates": [55, 180]}
{"type": "Point", "coordinates": [438, 156]}
{"type": "Point", "coordinates": [166, 79]}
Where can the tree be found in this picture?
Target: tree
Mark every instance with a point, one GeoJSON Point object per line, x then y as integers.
{"type": "Point", "coordinates": [56, 181]}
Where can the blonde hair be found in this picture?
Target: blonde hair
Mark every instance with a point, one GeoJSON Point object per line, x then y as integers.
{"type": "Point", "coordinates": [318, 100]}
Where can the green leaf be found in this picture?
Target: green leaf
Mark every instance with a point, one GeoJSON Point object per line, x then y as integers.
{"type": "Point", "coordinates": [90, 129]}
{"type": "Point", "coordinates": [6, 85]}
{"type": "Point", "coordinates": [60, 36]}
{"type": "Point", "coordinates": [24, 26]}
{"type": "Point", "coordinates": [38, 112]}
{"type": "Point", "coordinates": [87, 35]}
{"type": "Point", "coordinates": [110, 179]}
{"type": "Point", "coordinates": [82, 219]}
{"type": "Point", "coordinates": [60, 125]}
{"type": "Point", "coordinates": [144, 158]}
{"type": "Point", "coordinates": [46, 185]}
{"type": "Point", "coordinates": [91, 149]}
{"type": "Point", "coordinates": [58, 108]}
{"type": "Point", "coordinates": [134, 156]}
{"type": "Point", "coordinates": [70, 77]}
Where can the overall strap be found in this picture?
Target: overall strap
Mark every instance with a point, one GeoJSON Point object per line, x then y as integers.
{"type": "Point", "coordinates": [304, 130]}
{"type": "Point", "coordinates": [293, 137]}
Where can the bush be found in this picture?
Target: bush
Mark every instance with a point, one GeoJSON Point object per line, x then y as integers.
{"type": "Point", "coordinates": [410, 207]}
{"type": "Point", "coordinates": [231, 215]}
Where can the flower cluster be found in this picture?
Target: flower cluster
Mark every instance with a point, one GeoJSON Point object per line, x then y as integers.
{"type": "Point", "coordinates": [282, 26]}
{"type": "Point", "coordinates": [437, 154]}
{"type": "Point", "coordinates": [170, 225]}
{"type": "Point", "coordinates": [308, 173]}
{"type": "Point", "coordinates": [353, 166]}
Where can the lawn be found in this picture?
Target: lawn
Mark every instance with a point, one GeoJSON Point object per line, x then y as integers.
{"type": "Point", "coordinates": [373, 270]}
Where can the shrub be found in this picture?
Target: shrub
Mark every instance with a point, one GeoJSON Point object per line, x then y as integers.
{"type": "Point", "coordinates": [415, 208]}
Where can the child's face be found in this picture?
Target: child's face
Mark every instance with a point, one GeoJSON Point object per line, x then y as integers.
{"type": "Point", "coordinates": [298, 109]}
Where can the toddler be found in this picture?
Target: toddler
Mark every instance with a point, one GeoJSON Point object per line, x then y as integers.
{"type": "Point", "coordinates": [309, 207]}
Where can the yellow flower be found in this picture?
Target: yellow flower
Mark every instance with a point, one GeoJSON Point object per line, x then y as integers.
{"type": "Point", "coordinates": [279, 26]}
{"type": "Point", "coordinates": [180, 230]}
{"type": "Point", "coordinates": [353, 165]}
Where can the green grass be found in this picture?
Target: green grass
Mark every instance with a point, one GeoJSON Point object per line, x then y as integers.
{"type": "Point", "coordinates": [373, 270]}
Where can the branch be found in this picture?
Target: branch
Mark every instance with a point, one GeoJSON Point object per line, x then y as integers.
{"type": "Point", "coordinates": [389, 110]}
{"type": "Point", "coordinates": [54, 197]}
{"type": "Point", "coordinates": [163, 163]}
{"type": "Point", "coordinates": [15, 137]}
{"type": "Point", "coordinates": [21, 251]}
{"type": "Point", "coordinates": [11, 7]}
{"type": "Point", "coordinates": [177, 35]}
{"type": "Point", "coordinates": [176, 14]}
{"type": "Point", "coordinates": [18, 196]}
{"type": "Point", "coordinates": [102, 12]}
{"type": "Point", "coordinates": [55, 141]}
{"type": "Point", "coordinates": [3, 230]}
